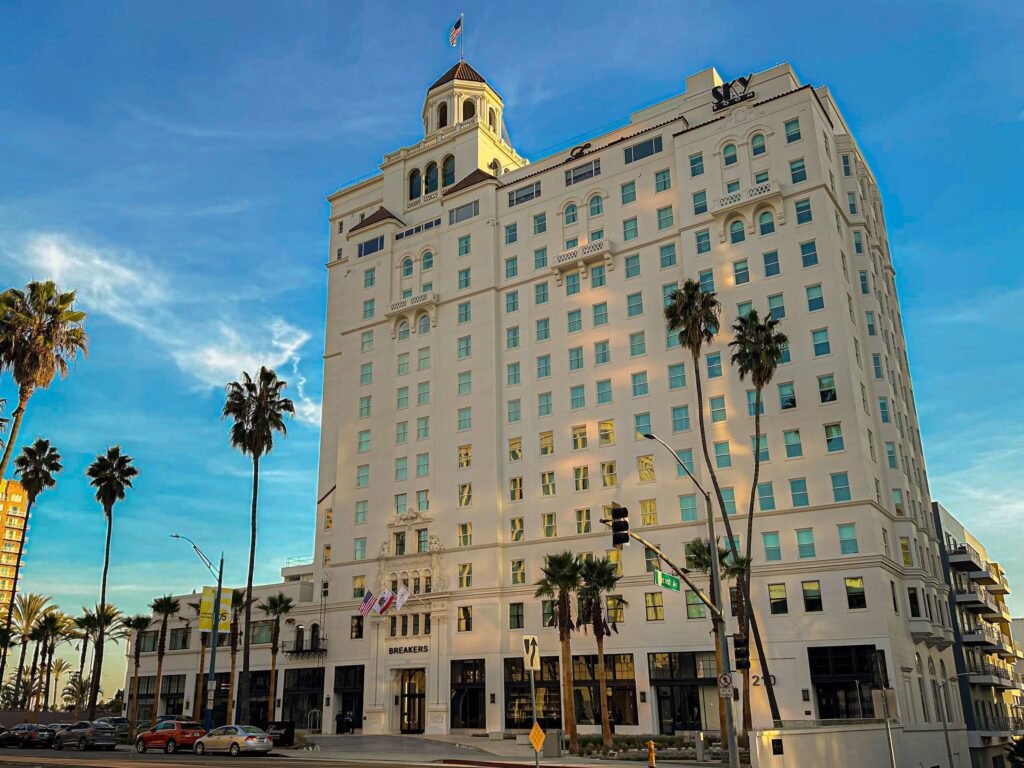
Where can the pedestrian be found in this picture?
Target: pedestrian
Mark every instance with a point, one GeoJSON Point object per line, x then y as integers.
{"type": "Point", "coordinates": [339, 723]}
{"type": "Point", "coordinates": [349, 724]}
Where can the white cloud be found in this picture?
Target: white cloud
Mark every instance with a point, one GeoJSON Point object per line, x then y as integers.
{"type": "Point", "coordinates": [141, 295]}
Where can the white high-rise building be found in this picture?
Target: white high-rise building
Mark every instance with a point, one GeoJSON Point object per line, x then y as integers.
{"type": "Point", "coordinates": [495, 342]}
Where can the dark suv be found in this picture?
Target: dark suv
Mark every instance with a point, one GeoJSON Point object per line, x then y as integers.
{"type": "Point", "coordinates": [27, 735]}
{"type": "Point", "coordinates": [85, 735]}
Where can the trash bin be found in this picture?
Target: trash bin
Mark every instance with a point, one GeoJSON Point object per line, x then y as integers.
{"type": "Point", "coordinates": [552, 744]}
{"type": "Point", "coordinates": [282, 732]}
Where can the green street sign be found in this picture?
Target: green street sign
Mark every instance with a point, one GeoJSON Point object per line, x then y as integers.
{"type": "Point", "coordinates": [666, 580]}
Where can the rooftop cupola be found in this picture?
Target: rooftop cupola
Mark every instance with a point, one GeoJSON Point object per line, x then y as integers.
{"type": "Point", "coordinates": [460, 95]}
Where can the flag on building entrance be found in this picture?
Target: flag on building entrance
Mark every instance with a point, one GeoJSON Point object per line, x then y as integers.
{"type": "Point", "coordinates": [403, 595]}
{"type": "Point", "coordinates": [453, 37]}
{"type": "Point", "coordinates": [369, 600]}
{"type": "Point", "coordinates": [387, 597]}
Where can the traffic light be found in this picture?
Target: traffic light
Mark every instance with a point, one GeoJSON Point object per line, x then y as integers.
{"type": "Point", "coordinates": [620, 526]}
{"type": "Point", "coordinates": [741, 648]}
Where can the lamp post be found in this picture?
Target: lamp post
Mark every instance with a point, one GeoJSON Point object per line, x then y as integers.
{"type": "Point", "coordinates": [211, 685]}
{"type": "Point", "coordinates": [719, 619]}
{"type": "Point", "coordinates": [942, 713]}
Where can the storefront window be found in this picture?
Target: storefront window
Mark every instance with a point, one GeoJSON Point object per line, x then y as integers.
{"type": "Point", "coordinates": [468, 694]}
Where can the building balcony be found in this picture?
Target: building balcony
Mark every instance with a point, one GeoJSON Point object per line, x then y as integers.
{"type": "Point", "coordinates": [580, 257]}
{"type": "Point", "coordinates": [976, 600]}
{"type": "Point", "coordinates": [428, 299]}
{"type": "Point", "coordinates": [966, 558]}
{"type": "Point", "coordinates": [990, 675]}
{"type": "Point", "coordinates": [985, 638]}
{"type": "Point", "coordinates": [307, 648]}
{"type": "Point", "coordinates": [749, 198]}
{"type": "Point", "coordinates": [986, 575]}
{"type": "Point", "coordinates": [1001, 587]}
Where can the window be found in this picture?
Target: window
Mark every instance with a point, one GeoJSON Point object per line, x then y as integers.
{"type": "Point", "coordinates": [714, 363]}
{"type": "Point", "coordinates": [632, 266]}
{"type": "Point", "coordinates": [680, 418]}
{"type": "Point", "coordinates": [630, 230]}
{"type": "Point", "coordinates": [465, 419]}
{"type": "Point", "coordinates": [512, 375]}
{"type": "Point", "coordinates": [515, 448]}
{"type": "Point", "coordinates": [846, 165]}
{"type": "Point", "coordinates": [642, 149]}
{"type": "Point", "coordinates": [574, 320]}
{"type": "Point", "coordinates": [686, 459]}
{"type": "Point", "coordinates": [655, 606]}
{"type": "Point", "coordinates": [803, 211]}
{"type": "Point", "coordinates": [609, 476]}
{"type": "Point", "coordinates": [772, 547]}
{"type": "Point", "coordinates": [834, 437]}
{"type": "Point", "coordinates": [370, 246]}
{"type": "Point", "coordinates": [667, 256]}
{"type": "Point", "coordinates": [423, 393]}
{"type": "Point", "coordinates": [550, 523]}
{"type": "Point", "coordinates": [366, 341]}
{"type": "Point", "coordinates": [524, 194]}
{"type": "Point", "coordinates": [637, 344]}
{"type": "Point", "coordinates": [798, 490]}
{"type": "Point", "coordinates": [662, 181]}
{"type": "Point", "coordinates": [717, 405]}
{"type": "Point", "coordinates": [729, 154]}
{"type": "Point", "coordinates": [511, 233]}
{"type": "Point", "coordinates": [777, 599]}
{"type": "Point", "coordinates": [766, 223]}
{"type": "Point", "coordinates": [547, 443]}
{"type": "Point", "coordinates": [729, 499]}
{"type": "Point", "coordinates": [465, 618]}
{"type": "Point", "coordinates": [694, 606]}
{"type": "Point", "coordinates": [821, 343]}
{"type": "Point", "coordinates": [582, 521]}
{"type": "Point", "coordinates": [641, 425]}
{"type": "Point", "coordinates": [575, 358]}
{"type": "Point", "coordinates": [855, 595]}
{"type": "Point", "coordinates": [858, 242]}
{"type": "Point", "coordinates": [515, 411]}
{"type": "Point", "coordinates": [639, 384]}
{"type": "Point", "coordinates": [422, 427]}
{"type": "Point", "coordinates": [848, 539]}
{"type": "Point", "coordinates": [364, 441]}
{"type": "Point", "coordinates": [696, 164]}
{"type": "Point", "coordinates": [597, 277]}
{"type": "Point", "coordinates": [741, 272]}
{"type": "Point", "coordinates": [581, 478]}
{"type": "Point", "coordinates": [805, 542]}
{"type": "Point", "coordinates": [402, 398]}
{"type": "Point", "coordinates": [628, 191]}
{"type": "Point", "coordinates": [703, 238]}
{"type": "Point", "coordinates": [797, 171]}
{"type": "Point", "coordinates": [547, 484]}
{"type": "Point", "coordinates": [634, 305]}
{"type": "Point", "coordinates": [876, 364]}
{"type": "Point", "coordinates": [870, 320]}
{"type": "Point", "coordinates": [827, 388]}
{"type": "Point", "coordinates": [543, 366]}
{"type": "Point", "coordinates": [792, 131]}
{"type": "Point", "coordinates": [572, 284]}
{"type": "Point", "coordinates": [583, 172]}
{"type": "Point", "coordinates": [794, 449]}
{"type": "Point", "coordinates": [665, 218]}
{"type": "Point", "coordinates": [604, 391]}
{"type": "Point", "coordinates": [812, 596]}
{"type": "Point", "coordinates": [815, 299]}
{"type": "Point", "coordinates": [464, 278]}
{"type": "Point", "coordinates": [645, 467]}
{"type": "Point", "coordinates": [401, 432]}
{"type": "Point", "coordinates": [737, 234]}
{"type": "Point", "coordinates": [760, 444]}
{"type": "Point", "coordinates": [851, 198]}
{"type": "Point", "coordinates": [841, 491]}
{"type": "Point", "coordinates": [512, 337]}
{"type": "Point", "coordinates": [688, 508]}
{"type": "Point", "coordinates": [606, 432]}
{"type": "Point", "coordinates": [771, 265]}
{"type": "Point", "coordinates": [359, 549]}
{"type": "Point", "coordinates": [723, 459]}
{"type": "Point", "coordinates": [787, 396]}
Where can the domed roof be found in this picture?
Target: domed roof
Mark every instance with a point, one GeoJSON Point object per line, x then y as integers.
{"type": "Point", "coordinates": [461, 71]}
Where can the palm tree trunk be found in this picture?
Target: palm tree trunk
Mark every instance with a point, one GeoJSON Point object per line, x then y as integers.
{"type": "Point", "coordinates": [133, 698]}
{"type": "Point", "coordinates": [602, 689]}
{"type": "Point", "coordinates": [21, 671]}
{"type": "Point", "coordinates": [743, 623]}
{"type": "Point", "coordinates": [568, 689]}
{"type": "Point", "coordinates": [234, 667]}
{"type": "Point", "coordinates": [161, 649]}
{"type": "Point", "coordinates": [201, 688]}
{"type": "Point", "coordinates": [24, 393]}
{"type": "Point", "coordinates": [273, 671]}
{"type": "Point", "coordinates": [47, 670]}
{"type": "Point", "coordinates": [742, 620]}
{"type": "Point", "coordinates": [243, 683]}
{"type": "Point", "coordinates": [14, 586]}
{"type": "Point", "coordinates": [28, 701]}
{"type": "Point", "coordinates": [97, 660]}
{"type": "Point", "coordinates": [715, 631]}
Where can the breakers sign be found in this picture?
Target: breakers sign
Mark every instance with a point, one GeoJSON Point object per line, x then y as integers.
{"type": "Point", "coordinates": [733, 92]}
{"type": "Point", "coordinates": [408, 649]}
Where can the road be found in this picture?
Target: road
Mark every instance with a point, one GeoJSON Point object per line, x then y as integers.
{"type": "Point", "coordinates": [10, 758]}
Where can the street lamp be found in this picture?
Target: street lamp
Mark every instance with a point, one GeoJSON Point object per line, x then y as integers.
{"type": "Point", "coordinates": [211, 685]}
{"type": "Point", "coordinates": [719, 619]}
{"type": "Point", "coordinates": [942, 713]}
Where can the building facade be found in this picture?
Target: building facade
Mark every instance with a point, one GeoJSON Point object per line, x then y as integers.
{"type": "Point", "coordinates": [13, 503]}
{"type": "Point", "coordinates": [495, 347]}
{"type": "Point", "coordinates": [985, 651]}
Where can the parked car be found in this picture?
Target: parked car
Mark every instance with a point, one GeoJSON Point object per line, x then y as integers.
{"type": "Point", "coordinates": [120, 724]}
{"type": "Point", "coordinates": [235, 740]}
{"type": "Point", "coordinates": [27, 735]}
{"type": "Point", "coordinates": [57, 727]}
{"type": "Point", "coordinates": [87, 735]}
{"type": "Point", "coordinates": [170, 736]}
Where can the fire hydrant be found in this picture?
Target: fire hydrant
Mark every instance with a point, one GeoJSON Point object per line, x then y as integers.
{"type": "Point", "coordinates": [651, 761]}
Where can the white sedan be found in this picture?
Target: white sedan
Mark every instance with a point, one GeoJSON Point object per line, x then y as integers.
{"type": "Point", "coordinates": [235, 740]}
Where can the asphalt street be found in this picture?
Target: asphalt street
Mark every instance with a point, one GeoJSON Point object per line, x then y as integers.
{"type": "Point", "coordinates": [10, 758]}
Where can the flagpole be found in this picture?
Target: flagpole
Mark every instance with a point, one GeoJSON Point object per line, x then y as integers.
{"type": "Point", "coordinates": [462, 39]}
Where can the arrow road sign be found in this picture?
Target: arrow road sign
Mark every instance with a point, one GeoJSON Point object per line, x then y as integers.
{"type": "Point", "coordinates": [531, 653]}
{"type": "Point", "coordinates": [666, 580]}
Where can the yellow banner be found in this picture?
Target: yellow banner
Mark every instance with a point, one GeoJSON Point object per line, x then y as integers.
{"type": "Point", "coordinates": [206, 610]}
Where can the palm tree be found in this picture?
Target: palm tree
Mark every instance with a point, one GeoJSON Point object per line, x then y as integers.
{"type": "Point", "coordinates": [109, 474]}
{"type": "Point", "coordinates": [164, 607]}
{"type": "Point", "coordinates": [599, 578]}
{"type": "Point", "coordinates": [135, 625]}
{"type": "Point", "coordinates": [257, 409]}
{"type": "Point", "coordinates": [35, 466]}
{"type": "Point", "coordinates": [694, 314]}
{"type": "Point", "coordinates": [77, 692]}
{"type": "Point", "coordinates": [757, 348]}
{"type": "Point", "coordinates": [53, 626]}
{"type": "Point", "coordinates": [275, 606]}
{"type": "Point", "coordinates": [57, 670]}
{"type": "Point", "coordinates": [561, 580]}
{"type": "Point", "coordinates": [237, 606]}
{"type": "Point", "coordinates": [38, 638]}
{"type": "Point", "coordinates": [40, 334]}
{"type": "Point", "coordinates": [28, 609]}
{"type": "Point", "coordinates": [698, 558]}
{"type": "Point", "coordinates": [85, 627]}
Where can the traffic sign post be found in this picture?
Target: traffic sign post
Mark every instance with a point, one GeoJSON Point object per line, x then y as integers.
{"type": "Point", "coordinates": [667, 581]}
{"type": "Point", "coordinates": [725, 686]}
{"type": "Point", "coordinates": [531, 661]}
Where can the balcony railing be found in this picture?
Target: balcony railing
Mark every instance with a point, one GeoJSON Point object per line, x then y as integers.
{"type": "Point", "coordinates": [428, 298]}
{"type": "Point", "coordinates": [983, 636]}
{"type": "Point", "coordinates": [308, 647]}
{"type": "Point", "coordinates": [965, 557]}
{"type": "Point", "coordinates": [590, 252]}
{"type": "Point", "coordinates": [750, 195]}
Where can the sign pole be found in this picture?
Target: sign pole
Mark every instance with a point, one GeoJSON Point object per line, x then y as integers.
{"type": "Point", "coordinates": [533, 703]}
{"type": "Point", "coordinates": [211, 678]}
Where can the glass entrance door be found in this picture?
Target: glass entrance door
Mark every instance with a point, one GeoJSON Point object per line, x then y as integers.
{"type": "Point", "coordinates": [413, 686]}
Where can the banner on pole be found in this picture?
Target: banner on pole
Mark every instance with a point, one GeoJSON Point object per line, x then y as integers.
{"type": "Point", "coordinates": [206, 610]}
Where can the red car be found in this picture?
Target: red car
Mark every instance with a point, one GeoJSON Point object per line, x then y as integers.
{"type": "Point", "coordinates": [169, 736]}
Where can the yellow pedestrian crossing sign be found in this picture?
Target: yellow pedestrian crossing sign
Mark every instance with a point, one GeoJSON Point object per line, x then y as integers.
{"type": "Point", "coordinates": [536, 737]}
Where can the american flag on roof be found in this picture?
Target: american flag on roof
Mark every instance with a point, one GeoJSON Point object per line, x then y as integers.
{"type": "Point", "coordinates": [369, 600]}
{"type": "Point", "coordinates": [453, 37]}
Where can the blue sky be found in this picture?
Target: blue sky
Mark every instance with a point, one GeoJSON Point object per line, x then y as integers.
{"type": "Point", "coordinates": [171, 163]}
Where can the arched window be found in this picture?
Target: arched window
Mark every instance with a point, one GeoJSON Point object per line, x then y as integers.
{"type": "Point", "coordinates": [596, 205]}
{"type": "Point", "coordinates": [314, 637]}
{"type": "Point", "coordinates": [442, 114]}
{"type": "Point", "coordinates": [430, 179]}
{"type": "Point", "coordinates": [492, 119]}
{"type": "Point", "coordinates": [757, 146]}
{"type": "Point", "coordinates": [571, 213]}
{"type": "Point", "coordinates": [423, 325]}
{"type": "Point", "coordinates": [766, 222]}
{"type": "Point", "coordinates": [407, 268]}
{"type": "Point", "coordinates": [468, 109]}
{"type": "Point", "coordinates": [403, 330]}
{"type": "Point", "coordinates": [299, 637]}
{"type": "Point", "coordinates": [415, 188]}
{"type": "Point", "coordinates": [736, 233]}
{"type": "Point", "coordinates": [427, 262]}
{"type": "Point", "coordinates": [729, 154]}
{"type": "Point", "coordinates": [448, 171]}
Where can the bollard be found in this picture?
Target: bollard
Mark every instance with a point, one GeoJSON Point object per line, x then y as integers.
{"type": "Point", "coordinates": [698, 744]}
{"type": "Point", "coordinates": [651, 762]}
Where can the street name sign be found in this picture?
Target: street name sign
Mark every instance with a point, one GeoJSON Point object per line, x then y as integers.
{"type": "Point", "coordinates": [666, 580]}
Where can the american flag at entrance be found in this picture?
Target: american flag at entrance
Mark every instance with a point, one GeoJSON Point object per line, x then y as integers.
{"type": "Point", "coordinates": [453, 37]}
{"type": "Point", "coordinates": [369, 600]}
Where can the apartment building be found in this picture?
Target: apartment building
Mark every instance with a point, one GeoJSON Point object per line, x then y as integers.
{"type": "Point", "coordinates": [13, 502]}
{"type": "Point", "coordinates": [985, 650]}
{"type": "Point", "coordinates": [495, 349]}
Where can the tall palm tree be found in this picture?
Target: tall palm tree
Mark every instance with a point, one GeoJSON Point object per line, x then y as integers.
{"type": "Point", "coordinates": [164, 607]}
{"type": "Point", "coordinates": [237, 607]}
{"type": "Point", "coordinates": [57, 671]}
{"type": "Point", "coordinates": [135, 625]}
{"type": "Point", "coordinates": [76, 693]}
{"type": "Point", "coordinates": [54, 626]}
{"type": "Point", "coordinates": [275, 606]}
{"type": "Point", "coordinates": [35, 466]}
{"type": "Point", "coordinates": [38, 638]}
{"type": "Point", "coordinates": [757, 348]}
{"type": "Point", "coordinates": [694, 314]}
{"type": "Point", "coordinates": [110, 474]}
{"type": "Point", "coordinates": [599, 578]}
{"type": "Point", "coordinates": [28, 609]}
{"type": "Point", "coordinates": [257, 408]}
{"type": "Point", "coordinates": [85, 627]}
{"type": "Point", "coordinates": [562, 580]}
{"type": "Point", "coordinates": [41, 333]}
